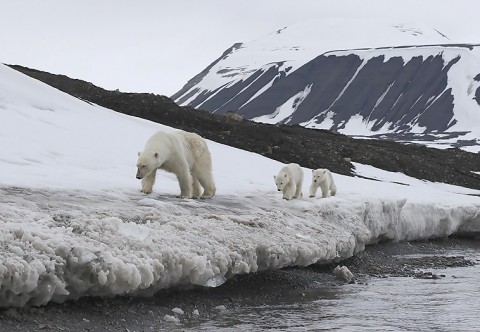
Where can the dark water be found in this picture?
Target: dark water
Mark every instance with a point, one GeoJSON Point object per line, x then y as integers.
{"type": "Point", "coordinates": [451, 303]}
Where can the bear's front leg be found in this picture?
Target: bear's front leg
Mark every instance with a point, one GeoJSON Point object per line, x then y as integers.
{"type": "Point", "coordinates": [298, 190]}
{"type": "Point", "coordinates": [313, 189]}
{"type": "Point", "coordinates": [324, 191]}
{"type": "Point", "coordinates": [288, 192]}
{"type": "Point", "coordinates": [148, 182]}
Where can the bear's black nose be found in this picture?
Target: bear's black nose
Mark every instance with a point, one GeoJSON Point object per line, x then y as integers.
{"type": "Point", "coordinates": [279, 190]}
{"type": "Point", "coordinates": [314, 180]}
{"type": "Point", "coordinates": [139, 177]}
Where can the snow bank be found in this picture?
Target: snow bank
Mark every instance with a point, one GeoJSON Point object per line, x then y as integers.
{"type": "Point", "coordinates": [58, 245]}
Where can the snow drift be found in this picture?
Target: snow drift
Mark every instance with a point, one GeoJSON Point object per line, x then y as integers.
{"type": "Point", "coordinates": [75, 224]}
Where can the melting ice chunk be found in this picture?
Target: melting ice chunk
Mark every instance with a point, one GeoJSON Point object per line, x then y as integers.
{"type": "Point", "coordinates": [343, 273]}
{"type": "Point", "coordinates": [215, 281]}
{"type": "Point", "coordinates": [169, 318]}
{"type": "Point", "coordinates": [178, 311]}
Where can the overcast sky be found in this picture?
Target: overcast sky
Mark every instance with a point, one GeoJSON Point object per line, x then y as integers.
{"type": "Point", "coordinates": [157, 46]}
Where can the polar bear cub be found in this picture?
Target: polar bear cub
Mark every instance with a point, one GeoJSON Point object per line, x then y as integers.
{"type": "Point", "coordinates": [322, 178]}
{"type": "Point", "coordinates": [289, 181]}
{"type": "Point", "coordinates": [182, 153]}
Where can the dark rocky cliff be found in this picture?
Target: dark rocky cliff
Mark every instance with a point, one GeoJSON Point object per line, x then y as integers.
{"type": "Point", "coordinates": [311, 148]}
{"type": "Point", "coordinates": [384, 91]}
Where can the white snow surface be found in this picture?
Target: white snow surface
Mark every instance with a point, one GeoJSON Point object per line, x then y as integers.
{"type": "Point", "coordinates": [299, 43]}
{"type": "Point", "coordinates": [74, 222]}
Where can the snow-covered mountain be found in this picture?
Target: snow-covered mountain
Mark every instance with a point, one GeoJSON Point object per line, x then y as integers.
{"type": "Point", "coordinates": [366, 78]}
{"type": "Point", "coordinates": [74, 223]}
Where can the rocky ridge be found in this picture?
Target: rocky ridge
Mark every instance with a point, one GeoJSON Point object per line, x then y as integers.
{"type": "Point", "coordinates": [311, 148]}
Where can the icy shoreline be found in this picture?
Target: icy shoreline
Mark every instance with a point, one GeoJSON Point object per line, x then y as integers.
{"type": "Point", "coordinates": [59, 245]}
{"type": "Point", "coordinates": [297, 287]}
{"type": "Point", "coordinates": [59, 242]}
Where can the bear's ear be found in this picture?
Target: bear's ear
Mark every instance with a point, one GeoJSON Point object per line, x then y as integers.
{"type": "Point", "coordinates": [313, 171]}
{"type": "Point", "coordinates": [139, 154]}
{"type": "Point", "coordinates": [285, 175]}
{"type": "Point", "coordinates": [274, 177]}
{"type": "Point", "coordinates": [156, 155]}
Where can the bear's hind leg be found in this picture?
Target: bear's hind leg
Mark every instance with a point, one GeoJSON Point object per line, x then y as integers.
{"type": "Point", "coordinates": [206, 180]}
{"type": "Point", "coordinates": [196, 190]}
{"type": "Point", "coordinates": [298, 191]}
{"type": "Point", "coordinates": [185, 181]}
{"type": "Point", "coordinates": [147, 182]}
{"type": "Point", "coordinates": [333, 189]}
{"type": "Point", "coordinates": [313, 189]}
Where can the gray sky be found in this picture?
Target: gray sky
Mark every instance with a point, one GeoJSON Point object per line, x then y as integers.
{"type": "Point", "coordinates": [157, 46]}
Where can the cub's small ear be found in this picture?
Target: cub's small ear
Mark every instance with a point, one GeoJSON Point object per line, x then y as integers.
{"type": "Point", "coordinates": [274, 177]}
{"type": "Point", "coordinates": [313, 171]}
{"type": "Point", "coordinates": [139, 154]}
{"type": "Point", "coordinates": [156, 155]}
{"type": "Point", "coordinates": [285, 174]}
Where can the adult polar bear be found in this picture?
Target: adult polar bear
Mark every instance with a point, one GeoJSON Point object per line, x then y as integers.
{"type": "Point", "coordinates": [183, 153]}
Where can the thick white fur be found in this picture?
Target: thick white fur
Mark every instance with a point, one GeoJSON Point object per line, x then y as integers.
{"type": "Point", "coordinates": [322, 178]}
{"type": "Point", "coordinates": [289, 181]}
{"type": "Point", "coordinates": [182, 153]}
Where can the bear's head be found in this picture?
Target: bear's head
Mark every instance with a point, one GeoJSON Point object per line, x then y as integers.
{"type": "Point", "coordinates": [147, 162]}
{"type": "Point", "coordinates": [281, 180]}
{"type": "Point", "coordinates": [319, 175]}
